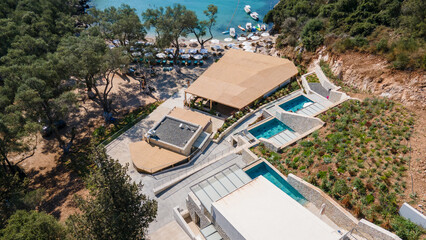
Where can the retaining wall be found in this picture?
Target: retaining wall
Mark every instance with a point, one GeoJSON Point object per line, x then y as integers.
{"type": "Point", "coordinates": [332, 210]}
{"type": "Point", "coordinates": [375, 232]}
{"type": "Point", "coordinates": [299, 123]}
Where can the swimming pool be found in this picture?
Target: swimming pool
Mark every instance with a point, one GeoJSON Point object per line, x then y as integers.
{"type": "Point", "coordinates": [269, 129]}
{"type": "Point", "coordinates": [266, 171]}
{"type": "Point", "coordinates": [295, 104]}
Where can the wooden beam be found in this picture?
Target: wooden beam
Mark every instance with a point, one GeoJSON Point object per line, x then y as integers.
{"type": "Point", "coordinates": [211, 104]}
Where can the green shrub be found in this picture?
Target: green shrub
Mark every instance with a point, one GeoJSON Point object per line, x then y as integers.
{"type": "Point", "coordinates": [406, 229]}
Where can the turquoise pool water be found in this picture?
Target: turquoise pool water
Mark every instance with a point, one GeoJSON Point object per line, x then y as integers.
{"type": "Point", "coordinates": [295, 104]}
{"type": "Point", "coordinates": [269, 129]}
{"type": "Point", "coordinates": [266, 171]}
{"type": "Point", "coordinates": [226, 9]}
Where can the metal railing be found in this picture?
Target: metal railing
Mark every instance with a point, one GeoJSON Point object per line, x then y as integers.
{"type": "Point", "coordinates": [181, 172]}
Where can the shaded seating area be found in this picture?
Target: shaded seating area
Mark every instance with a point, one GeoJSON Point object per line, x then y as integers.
{"type": "Point", "coordinates": [239, 79]}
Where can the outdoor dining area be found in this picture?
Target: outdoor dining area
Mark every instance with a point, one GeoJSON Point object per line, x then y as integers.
{"type": "Point", "coordinates": [158, 57]}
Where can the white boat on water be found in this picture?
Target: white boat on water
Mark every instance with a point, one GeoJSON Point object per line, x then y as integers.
{"type": "Point", "coordinates": [248, 26]}
{"type": "Point", "coordinates": [254, 15]}
{"type": "Point", "coordinates": [232, 32]}
{"type": "Point", "coordinates": [247, 8]}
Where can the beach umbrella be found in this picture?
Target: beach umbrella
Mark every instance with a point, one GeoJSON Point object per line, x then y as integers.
{"type": "Point", "coordinates": [181, 50]}
{"type": "Point", "coordinates": [265, 34]}
{"type": "Point", "coordinates": [231, 45]}
{"type": "Point", "coordinates": [169, 50]}
{"type": "Point", "coordinates": [255, 38]}
{"type": "Point", "coordinates": [215, 41]}
{"type": "Point", "coordinates": [203, 51]}
{"type": "Point", "coordinates": [160, 55]}
{"type": "Point", "coordinates": [235, 47]}
{"type": "Point", "coordinates": [185, 56]}
{"type": "Point", "coordinates": [136, 54]}
{"type": "Point", "coordinates": [241, 38]}
{"type": "Point", "coordinates": [198, 56]}
{"type": "Point", "coordinates": [192, 51]}
{"type": "Point", "coordinates": [246, 43]}
{"type": "Point", "coordinates": [148, 54]}
{"type": "Point", "coordinates": [247, 48]}
{"type": "Point", "coordinates": [193, 40]}
{"type": "Point", "coordinates": [228, 39]}
{"type": "Point", "coordinates": [111, 46]}
{"type": "Point", "coordinates": [115, 41]}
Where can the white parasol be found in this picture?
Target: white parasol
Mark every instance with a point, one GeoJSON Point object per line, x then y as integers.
{"type": "Point", "coordinates": [242, 39]}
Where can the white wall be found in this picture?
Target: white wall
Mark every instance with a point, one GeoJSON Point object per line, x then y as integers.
{"type": "Point", "coordinates": [413, 215]}
{"type": "Point", "coordinates": [225, 225]}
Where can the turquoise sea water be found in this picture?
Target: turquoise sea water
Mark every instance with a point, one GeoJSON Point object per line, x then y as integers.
{"type": "Point", "coordinates": [266, 171]}
{"type": "Point", "coordinates": [226, 9]}
{"type": "Point", "coordinates": [269, 129]}
{"type": "Point", "coordinates": [295, 104]}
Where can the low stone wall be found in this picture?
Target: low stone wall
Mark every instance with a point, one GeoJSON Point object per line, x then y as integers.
{"type": "Point", "coordinates": [299, 123]}
{"type": "Point", "coordinates": [332, 209]}
{"type": "Point", "coordinates": [374, 231]}
{"type": "Point", "coordinates": [196, 208]}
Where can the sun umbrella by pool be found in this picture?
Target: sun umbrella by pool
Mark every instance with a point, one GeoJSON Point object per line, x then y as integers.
{"type": "Point", "coordinates": [203, 51]}
{"type": "Point", "coordinates": [265, 34]}
{"type": "Point", "coordinates": [228, 40]}
{"type": "Point", "coordinates": [160, 55]}
{"type": "Point", "coordinates": [242, 39]}
{"type": "Point", "coordinates": [215, 41]}
{"type": "Point", "coordinates": [198, 56]}
{"type": "Point", "coordinates": [185, 56]}
{"type": "Point", "coordinates": [192, 51]}
{"type": "Point", "coordinates": [255, 38]}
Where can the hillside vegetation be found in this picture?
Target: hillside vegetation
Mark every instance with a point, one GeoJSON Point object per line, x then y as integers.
{"type": "Point", "coordinates": [360, 158]}
{"type": "Point", "coordinates": [395, 29]}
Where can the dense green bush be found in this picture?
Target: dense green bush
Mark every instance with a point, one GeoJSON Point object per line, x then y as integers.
{"type": "Point", "coordinates": [346, 20]}
{"type": "Point", "coordinates": [25, 225]}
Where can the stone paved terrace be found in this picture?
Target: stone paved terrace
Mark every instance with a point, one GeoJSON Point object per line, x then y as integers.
{"type": "Point", "coordinates": [318, 88]}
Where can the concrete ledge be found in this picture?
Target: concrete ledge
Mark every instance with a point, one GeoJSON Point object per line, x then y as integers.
{"type": "Point", "coordinates": [413, 215]}
{"type": "Point", "coordinates": [332, 209]}
{"type": "Point", "coordinates": [376, 232]}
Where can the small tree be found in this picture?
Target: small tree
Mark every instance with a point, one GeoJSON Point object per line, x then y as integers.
{"type": "Point", "coordinates": [170, 24]}
{"type": "Point", "coordinates": [115, 208]}
{"type": "Point", "coordinates": [200, 30]}
{"type": "Point", "coordinates": [32, 225]}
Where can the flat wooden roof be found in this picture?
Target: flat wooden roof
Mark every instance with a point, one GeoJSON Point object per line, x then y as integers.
{"type": "Point", "coordinates": [240, 77]}
{"type": "Point", "coordinates": [151, 158]}
{"type": "Point", "coordinates": [190, 116]}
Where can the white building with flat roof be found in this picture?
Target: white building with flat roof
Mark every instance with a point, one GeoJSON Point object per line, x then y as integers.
{"type": "Point", "coordinates": [260, 210]}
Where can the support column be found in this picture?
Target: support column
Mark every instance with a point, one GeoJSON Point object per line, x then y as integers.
{"type": "Point", "coordinates": [211, 104]}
